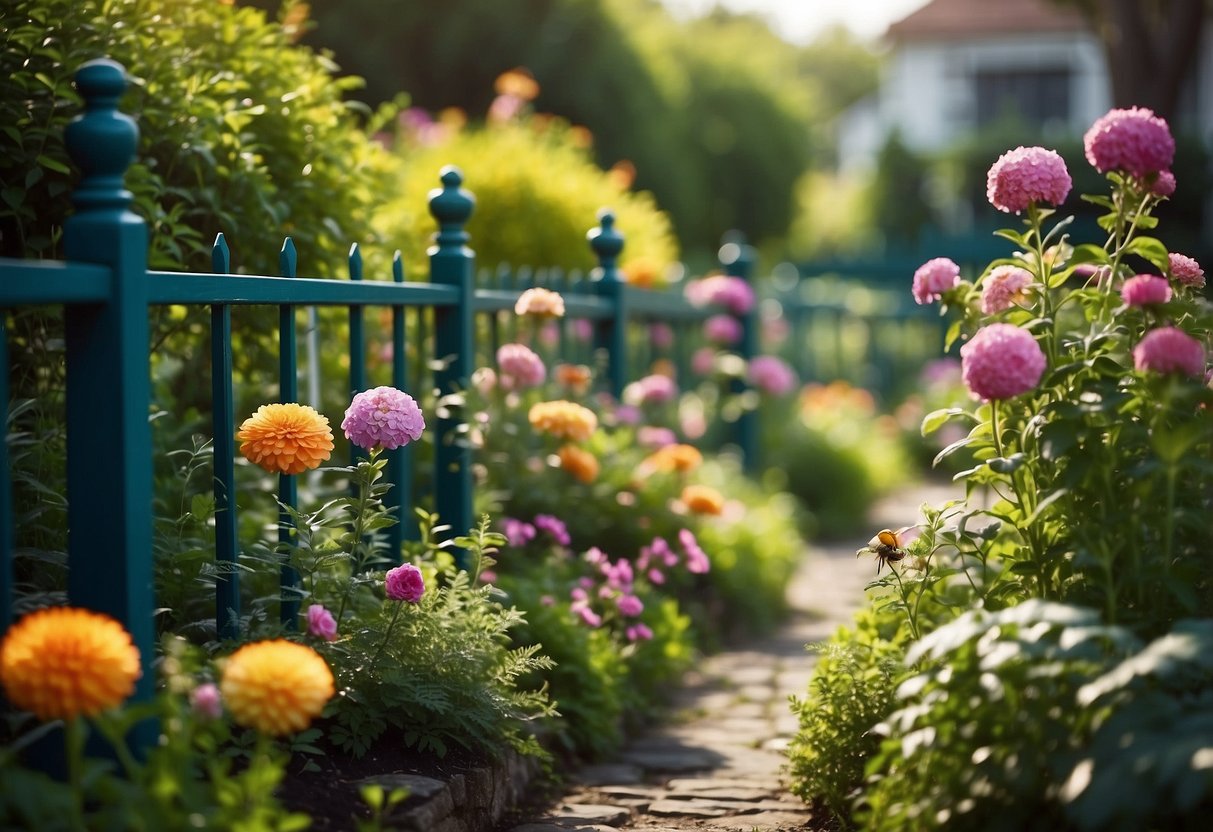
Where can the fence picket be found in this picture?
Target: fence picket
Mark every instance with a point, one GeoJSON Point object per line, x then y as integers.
{"type": "Point", "coordinates": [223, 454]}
{"type": "Point", "coordinates": [288, 484]}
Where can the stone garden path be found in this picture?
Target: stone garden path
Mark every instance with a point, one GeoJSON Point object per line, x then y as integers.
{"type": "Point", "coordinates": [716, 764]}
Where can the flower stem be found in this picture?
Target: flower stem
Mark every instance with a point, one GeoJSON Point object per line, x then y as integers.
{"type": "Point", "coordinates": [73, 738]}
{"type": "Point", "coordinates": [388, 634]}
{"type": "Point", "coordinates": [364, 473]}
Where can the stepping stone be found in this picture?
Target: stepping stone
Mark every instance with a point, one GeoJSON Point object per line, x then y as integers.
{"type": "Point", "coordinates": [692, 784]}
{"type": "Point", "coordinates": [674, 760]}
{"type": "Point", "coordinates": [591, 813]}
{"type": "Point", "coordinates": [762, 821]}
{"type": "Point", "coordinates": [609, 774]}
{"type": "Point", "coordinates": [732, 794]}
{"type": "Point", "coordinates": [554, 827]}
{"type": "Point", "coordinates": [686, 809]}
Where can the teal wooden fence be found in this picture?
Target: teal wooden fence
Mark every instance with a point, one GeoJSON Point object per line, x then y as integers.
{"type": "Point", "coordinates": [106, 289]}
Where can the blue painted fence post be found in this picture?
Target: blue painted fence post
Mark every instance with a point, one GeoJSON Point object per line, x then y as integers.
{"type": "Point", "coordinates": [223, 421]}
{"type": "Point", "coordinates": [610, 334]}
{"type": "Point", "coordinates": [738, 260]}
{"type": "Point", "coordinates": [109, 464]}
{"type": "Point", "coordinates": [451, 264]}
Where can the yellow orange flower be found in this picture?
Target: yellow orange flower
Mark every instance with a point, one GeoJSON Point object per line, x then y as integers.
{"type": "Point", "coordinates": [576, 377]}
{"type": "Point", "coordinates": [277, 687]}
{"type": "Point", "coordinates": [64, 662]}
{"type": "Point", "coordinates": [286, 438]}
{"type": "Point", "coordinates": [643, 272]}
{"type": "Point", "coordinates": [702, 499]}
{"type": "Point", "coordinates": [583, 465]}
{"type": "Point", "coordinates": [517, 82]}
{"type": "Point", "coordinates": [664, 367]}
{"type": "Point", "coordinates": [681, 458]}
{"type": "Point", "coordinates": [541, 303]}
{"type": "Point", "coordinates": [563, 419]}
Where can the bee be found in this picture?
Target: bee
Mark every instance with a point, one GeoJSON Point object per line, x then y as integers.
{"type": "Point", "coordinates": [887, 546]}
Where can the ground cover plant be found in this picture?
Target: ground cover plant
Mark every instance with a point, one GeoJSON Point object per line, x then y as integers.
{"type": "Point", "coordinates": [1067, 598]}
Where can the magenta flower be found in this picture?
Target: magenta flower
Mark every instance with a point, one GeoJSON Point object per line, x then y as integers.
{"type": "Point", "coordinates": [519, 367]}
{"type": "Point", "coordinates": [1001, 362]}
{"type": "Point", "coordinates": [1186, 271]}
{"type": "Point", "coordinates": [1025, 175]}
{"type": "Point", "coordinates": [697, 559]}
{"type": "Point", "coordinates": [588, 616]}
{"type": "Point", "coordinates": [1164, 184]}
{"type": "Point", "coordinates": [722, 329]}
{"type": "Point", "coordinates": [1169, 350]}
{"type": "Point", "coordinates": [517, 532]}
{"type": "Point", "coordinates": [703, 361]}
{"type": "Point", "coordinates": [732, 293]}
{"type": "Point", "coordinates": [1135, 141]}
{"type": "Point", "coordinates": [933, 278]}
{"type": "Point", "coordinates": [630, 606]}
{"type": "Point", "coordinates": [1004, 287]}
{"type": "Point", "coordinates": [205, 701]}
{"type": "Point", "coordinates": [320, 623]}
{"type": "Point", "coordinates": [404, 583]}
{"type": "Point", "coordinates": [638, 632]}
{"type": "Point", "coordinates": [654, 437]}
{"type": "Point", "coordinates": [661, 335]}
{"type": "Point", "coordinates": [383, 417]}
{"type": "Point", "coordinates": [582, 329]}
{"type": "Point", "coordinates": [653, 389]}
{"type": "Point", "coordinates": [1145, 289]}
{"type": "Point", "coordinates": [554, 526]}
{"type": "Point", "coordinates": [771, 375]}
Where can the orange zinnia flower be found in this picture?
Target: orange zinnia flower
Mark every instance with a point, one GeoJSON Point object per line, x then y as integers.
{"type": "Point", "coordinates": [277, 687]}
{"type": "Point", "coordinates": [702, 499]}
{"type": "Point", "coordinates": [286, 438]}
{"type": "Point", "coordinates": [681, 458]}
{"type": "Point", "coordinates": [576, 377]}
{"type": "Point", "coordinates": [64, 662]}
{"type": "Point", "coordinates": [517, 82]}
{"type": "Point", "coordinates": [643, 272]}
{"type": "Point", "coordinates": [541, 303]}
{"type": "Point", "coordinates": [563, 419]}
{"type": "Point", "coordinates": [583, 465]}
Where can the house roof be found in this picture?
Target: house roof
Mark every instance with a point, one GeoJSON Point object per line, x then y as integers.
{"type": "Point", "coordinates": [963, 19]}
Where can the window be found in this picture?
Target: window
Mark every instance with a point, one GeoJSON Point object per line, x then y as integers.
{"type": "Point", "coordinates": [1036, 97]}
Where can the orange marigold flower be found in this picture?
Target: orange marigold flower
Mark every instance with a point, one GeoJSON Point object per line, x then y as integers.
{"type": "Point", "coordinates": [576, 377]}
{"type": "Point", "coordinates": [702, 499]}
{"type": "Point", "coordinates": [276, 687]}
{"type": "Point", "coordinates": [517, 82]}
{"type": "Point", "coordinates": [65, 662]}
{"type": "Point", "coordinates": [563, 419]}
{"type": "Point", "coordinates": [644, 272]}
{"type": "Point", "coordinates": [541, 303]}
{"type": "Point", "coordinates": [681, 458]}
{"type": "Point", "coordinates": [286, 438]}
{"type": "Point", "coordinates": [582, 464]}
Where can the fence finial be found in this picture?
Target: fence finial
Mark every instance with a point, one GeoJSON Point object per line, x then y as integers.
{"type": "Point", "coordinates": [606, 243]}
{"type": "Point", "coordinates": [452, 207]}
{"type": "Point", "coordinates": [101, 141]}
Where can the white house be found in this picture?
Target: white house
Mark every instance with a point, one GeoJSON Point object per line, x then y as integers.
{"type": "Point", "coordinates": [958, 65]}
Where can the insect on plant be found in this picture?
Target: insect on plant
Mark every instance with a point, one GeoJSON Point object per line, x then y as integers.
{"type": "Point", "coordinates": [887, 546]}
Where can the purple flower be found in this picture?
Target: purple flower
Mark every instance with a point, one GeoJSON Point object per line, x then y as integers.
{"type": "Point", "coordinates": [404, 583]}
{"type": "Point", "coordinates": [655, 437]}
{"type": "Point", "coordinates": [320, 623]}
{"type": "Point", "coordinates": [1001, 362]}
{"type": "Point", "coordinates": [554, 526]}
{"type": "Point", "coordinates": [1026, 175]}
{"type": "Point", "coordinates": [519, 367]}
{"type": "Point", "coordinates": [1004, 287]}
{"type": "Point", "coordinates": [1134, 140]}
{"type": "Point", "coordinates": [206, 702]}
{"type": "Point", "coordinates": [1164, 184]}
{"type": "Point", "coordinates": [517, 532]}
{"type": "Point", "coordinates": [652, 389]}
{"type": "Point", "coordinates": [1170, 350]}
{"type": "Point", "coordinates": [638, 632]}
{"type": "Point", "coordinates": [588, 616]}
{"type": "Point", "coordinates": [933, 278]}
{"type": "Point", "coordinates": [1186, 271]}
{"type": "Point", "coordinates": [383, 417]}
{"type": "Point", "coordinates": [771, 375]}
{"type": "Point", "coordinates": [733, 293]}
{"type": "Point", "coordinates": [1145, 289]}
{"type": "Point", "coordinates": [697, 560]}
{"type": "Point", "coordinates": [722, 329]}
{"type": "Point", "coordinates": [630, 606]}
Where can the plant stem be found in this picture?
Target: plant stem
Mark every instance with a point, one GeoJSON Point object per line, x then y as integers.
{"type": "Point", "coordinates": [388, 634]}
{"type": "Point", "coordinates": [73, 738]}
{"type": "Point", "coordinates": [364, 471]}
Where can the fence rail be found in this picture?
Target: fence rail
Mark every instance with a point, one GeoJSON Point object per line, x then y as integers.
{"type": "Point", "coordinates": [106, 289]}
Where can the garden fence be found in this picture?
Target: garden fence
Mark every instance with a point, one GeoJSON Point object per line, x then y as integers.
{"type": "Point", "coordinates": [105, 290]}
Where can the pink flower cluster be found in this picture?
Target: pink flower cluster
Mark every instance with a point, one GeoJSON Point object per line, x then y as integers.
{"type": "Point", "coordinates": [661, 335]}
{"type": "Point", "coordinates": [655, 437]}
{"type": "Point", "coordinates": [404, 583]}
{"type": "Point", "coordinates": [772, 375]}
{"type": "Point", "coordinates": [554, 527]}
{"type": "Point", "coordinates": [1000, 362]}
{"type": "Point", "coordinates": [933, 278]}
{"type": "Point", "coordinates": [383, 417]}
{"type": "Point", "coordinates": [1145, 289]}
{"type": "Point", "coordinates": [517, 532]}
{"type": "Point", "coordinates": [722, 329]}
{"type": "Point", "coordinates": [655, 389]}
{"type": "Point", "coordinates": [1134, 141]}
{"type": "Point", "coordinates": [1026, 175]}
{"type": "Point", "coordinates": [1004, 287]}
{"type": "Point", "coordinates": [732, 293]}
{"type": "Point", "coordinates": [206, 701]}
{"type": "Point", "coordinates": [1186, 271]}
{"type": "Point", "coordinates": [519, 367]}
{"type": "Point", "coordinates": [320, 623]}
{"type": "Point", "coordinates": [703, 361]}
{"type": "Point", "coordinates": [1170, 350]}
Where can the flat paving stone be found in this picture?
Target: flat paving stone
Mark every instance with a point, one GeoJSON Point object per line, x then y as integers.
{"type": "Point", "coordinates": [609, 774]}
{"type": "Point", "coordinates": [761, 821]}
{"type": "Point", "coordinates": [602, 814]}
{"type": "Point", "coordinates": [557, 827]}
{"type": "Point", "coordinates": [675, 761]}
{"type": "Point", "coordinates": [686, 809]}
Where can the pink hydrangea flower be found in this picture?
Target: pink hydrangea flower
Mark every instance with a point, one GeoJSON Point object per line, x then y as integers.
{"type": "Point", "coordinates": [703, 361]}
{"type": "Point", "coordinates": [697, 559]}
{"type": "Point", "coordinates": [320, 623]}
{"type": "Point", "coordinates": [1004, 287]}
{"type": "Point", "coordinates": [655, 437]}
{"type": "Point", "coordinates": [1145, 289]}
{"type": "Point", "coordinates": [630, 605]}
{"type": "Point", "coordinates": [652, 389]}
{"type": "Point", "coordinates": [722, 329]}
{"type": "Point", "coordinates": [519, 367]}
{"type": "Point", "coordinates": [1164, 184]}
{"type": "Point", "coordinates": [1186, 271]}
{"type": "Point", "coordinates": [383, 417]}
{"type": "Point", "coordinates": [771, 375]}
{"type": "Point", "coordinates": [933, 278]}
{"type": "Point", "coordinates": [1025, 175]}
{"type": "Point", "coordinates": [638, 632]}
{"type": "Point", "coordinates": [733, 293]}
{"type": "Point", "coordinates": [1001, 362]}
{"type": "Point", "coordinates": [206, 702]}
{"type": "Point", "coordinates": [404, 583]}
{"type": "Point", "coordinates": [1170, 350]}
{"type": "Point", "coordinates": [1134, 140]}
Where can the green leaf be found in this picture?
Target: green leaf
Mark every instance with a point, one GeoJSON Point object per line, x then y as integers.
{"type": "Point", "coordinates": [1007, 465]}
{"type": "Point", "coordinates": [56, 166]}
{"type": "Point", "coordinates": [936, 419]}
{"type": "Point", "coordinates": [1150, 249]}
